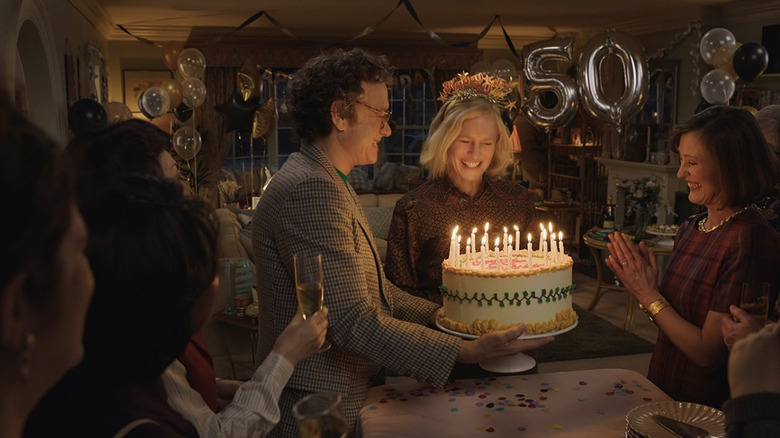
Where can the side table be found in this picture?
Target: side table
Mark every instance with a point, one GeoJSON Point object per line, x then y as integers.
{"type": "Point", "coordinates": [602, 287]}
{"type": "Point", "coordinates": [243, 322]}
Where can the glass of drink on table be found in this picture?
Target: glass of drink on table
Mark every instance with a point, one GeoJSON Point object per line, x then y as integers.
{"type": "Point", "coordinates": [319, 416]}
{"type": "Point", "coordinates": [308, 285]}
{"type": "Point", "coordinates": [755, 301]}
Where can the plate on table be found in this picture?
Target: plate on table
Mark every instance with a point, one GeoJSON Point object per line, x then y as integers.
{"type": "Point", "coordinates": [640, 422]}
{"type": "Point", "coordinates": [523, 336]}
{"type": "Point", "coordinates": [666, 232]}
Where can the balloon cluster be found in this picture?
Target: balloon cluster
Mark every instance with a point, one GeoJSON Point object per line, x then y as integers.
{"type": "Point", "coordinates": [732, 60]}
{"type": "Point", "coordinates": [243, 111]}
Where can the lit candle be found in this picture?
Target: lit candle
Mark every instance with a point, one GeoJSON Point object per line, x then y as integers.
{"type": "Point", "coordinates": [474, 239]}
{"type": "Point", "coordinates": [504, 241]}
{"type": "Point", "coordinates": [453, 243]}
{"type": "Point", "coordinates": [560, 245]}
{"type": "Point", "coordinates": [530, 250]}
{"type": "Point", "coordinates": [485, 236]}
{"type": "Point", "coordinates": [544, 246]}
{"type": "Point", "coordinates": [553, 248]}
{"type": "Point", "coordinates": [483, 251]}
{"type": "Point", "coordinates": [468, 252]}
{"type": "Point", "coordinates": [541, 238]}
{"type": "Point", "coordinates": [498, 258]}
{"type": "Point", "coordinates": [509, 254]}
{"type": "Point", "coordinates": [517, 237]}
{"type": "Point", "coordinates": [457, 252]}
{"type": "Point", "coordinates": [549, 225]}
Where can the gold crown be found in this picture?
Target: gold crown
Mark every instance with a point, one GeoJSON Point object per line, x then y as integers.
{"type": "Point", "coordinates": [491, 88]}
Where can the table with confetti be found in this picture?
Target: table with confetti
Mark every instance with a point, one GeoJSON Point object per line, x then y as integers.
{"type": "Point", "coordinates": [590, 403]}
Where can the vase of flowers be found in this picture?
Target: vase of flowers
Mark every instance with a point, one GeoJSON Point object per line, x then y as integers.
{"type": "Point", "coordinates": [228, 191]}
{"type": "Point", "coordinates": [643, 198]}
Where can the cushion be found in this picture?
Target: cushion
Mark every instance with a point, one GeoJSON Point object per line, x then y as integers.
{"type": "Point", "coordinates": [404, 177]}
{"type": "Point", "coordinates": [358, 179]}
{"type": "Point", "coordinates": [386, 178]}
{"type": "Point", "coordinates": [379, 220]}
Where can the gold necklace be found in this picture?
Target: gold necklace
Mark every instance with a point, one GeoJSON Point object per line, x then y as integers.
{"type": "Point", "coordinates": [704, 229]}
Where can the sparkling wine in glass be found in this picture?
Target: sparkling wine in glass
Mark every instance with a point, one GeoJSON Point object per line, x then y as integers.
{"type": "Point", "coordinates": [308, 286]}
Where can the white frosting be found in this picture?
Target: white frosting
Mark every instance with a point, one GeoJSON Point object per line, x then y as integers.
{"type": "Point", "coordinates": [478, 294]}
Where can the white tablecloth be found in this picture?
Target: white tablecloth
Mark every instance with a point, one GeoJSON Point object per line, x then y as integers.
{"type": "Point", "coordinates": [591, 403]}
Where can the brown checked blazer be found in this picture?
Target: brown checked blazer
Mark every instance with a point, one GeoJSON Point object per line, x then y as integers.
{"type": "Point", "coordinates": [372, 323]}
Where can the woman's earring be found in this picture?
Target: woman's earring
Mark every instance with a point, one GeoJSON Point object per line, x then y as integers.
{"type": "Point", "coordinates": [27, 341]}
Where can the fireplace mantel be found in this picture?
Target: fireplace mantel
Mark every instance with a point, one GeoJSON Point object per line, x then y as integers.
{"type": "Point", "coordinates": [620, 170]}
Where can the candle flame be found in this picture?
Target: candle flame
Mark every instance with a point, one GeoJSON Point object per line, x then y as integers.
{"type": "Point", "coordinates": [455, 231]}
{"type": "Point", "coordinates": [458, 239]}
{"type": "Point", "coordinates": [560, 235]}
{"type": "Point", "coordinates": [541, 225]}
{"type": "Point", "coordinates": [468, 241]}
{"type": "Point", "coordinates": [549, 225]}
{"type": "Point", "coordinates": [504, 230]}
{"type": "Point", "coordinates": [517, 228]}
{"type": "Point", "coordinates": [497, 240]}
{"type": "Point", "coordinates": [544, 234]}
{"type": "Point", "coordinates": [510, 239]}
{"type": "Point", "coordinates": [474, 230]}
{"type": "Point", "coordinates": [529, 238]}
{"type": "Point", "coordinates": [487, 225]}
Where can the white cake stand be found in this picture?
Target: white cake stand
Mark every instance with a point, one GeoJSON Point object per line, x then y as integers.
{"type": "Point", "coordinates": [509, 364]}
{"type": "Point", "coordinates": [667, 238]}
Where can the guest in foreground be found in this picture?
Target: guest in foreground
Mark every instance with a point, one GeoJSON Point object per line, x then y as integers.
{"type": "Point", "coordinates": [339, 108]}
{"type": "Point", "coordinates": [714, 253]}
{"type": "Point", "coordinates": [153, 252]}
{"type": "Point", "coordinates": [45, 279]}
{"type": "Point", "coordinates": [466, 153]}
{"type": "Point", "coordinates": [754, 408]}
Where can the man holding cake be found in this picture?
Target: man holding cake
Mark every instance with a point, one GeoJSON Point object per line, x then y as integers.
{"type": "Point", "coordinates": [339, 107]}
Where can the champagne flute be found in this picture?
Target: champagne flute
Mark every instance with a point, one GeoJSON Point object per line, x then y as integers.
{"type": "Point", "coordinates": [319, 415]}
{"type": "Point", "coordinates": [308, 286]}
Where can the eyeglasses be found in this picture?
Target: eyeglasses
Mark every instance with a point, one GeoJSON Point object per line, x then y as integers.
{"type": "Point", "coordinates": [382, 114]}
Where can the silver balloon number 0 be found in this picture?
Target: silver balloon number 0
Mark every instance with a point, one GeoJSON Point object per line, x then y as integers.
{"type": "Point", "coordinates": [634, 65]}
{"type": "Point", "coordinates": [540, 81]}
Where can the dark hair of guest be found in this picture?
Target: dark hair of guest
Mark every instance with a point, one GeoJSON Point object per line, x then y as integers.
{"type": "Point", "coordinates": [131, 147]}
{"type": "Point", "coordinates": [734, 138]}
{"type": "Point", "coordinates": [36, 188]}
{"type": "Point", "coordinates": [330, 77]}
{"type": "Point", "coordinates": [153, 251]}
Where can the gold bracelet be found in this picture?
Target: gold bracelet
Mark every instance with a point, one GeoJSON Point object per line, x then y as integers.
{"type": "Point", "coordinates": [654, 308]}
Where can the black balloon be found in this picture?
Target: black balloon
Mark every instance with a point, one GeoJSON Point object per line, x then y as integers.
{"type": "Point", "coordinates": [237, 112]}
{"type": "Point", "coordinates": [86, 115]}
{"type": "Point", "coordinates": [183, 112]}
{"type": "Point", "coordinates": [750, 60]}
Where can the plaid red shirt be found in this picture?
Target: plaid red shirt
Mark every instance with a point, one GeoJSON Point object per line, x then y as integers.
{"type": "Point", "coordinates": [705, 273]}
{"type": "Point", "coordinates": [423, 220]}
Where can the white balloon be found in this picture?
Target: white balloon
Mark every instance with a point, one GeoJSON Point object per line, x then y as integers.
{"type": "Point", "coordinates": [481, 67]}
{"type": "Point", "coordinates": [717, 87]}
{"type": "Point", "coordinates": [155, 101]}
{"type": "Point", "coordinates": [504, 69]}
{"type": "Point", "coordinates": [187, 142]}
{"type": "Point", "coordinates": [193, 92]}
{"type": "Point", "coordinates": [717, 45]}
{"type": "Point", "coordinates": [192, 63]}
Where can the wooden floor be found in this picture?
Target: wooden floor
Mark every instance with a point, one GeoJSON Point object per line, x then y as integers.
{"type": "Point", "coordinates": [611, 307]}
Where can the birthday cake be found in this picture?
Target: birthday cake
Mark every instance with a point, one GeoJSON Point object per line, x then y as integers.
{"type": "Point", "coordinates": [486, 294]}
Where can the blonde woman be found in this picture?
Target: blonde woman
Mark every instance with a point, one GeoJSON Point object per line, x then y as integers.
{"type": "Point", "coordinates": [467, 152]}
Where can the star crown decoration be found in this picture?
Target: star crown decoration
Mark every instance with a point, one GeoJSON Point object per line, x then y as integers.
{"type": "Point", "coordinates": [491, 88]}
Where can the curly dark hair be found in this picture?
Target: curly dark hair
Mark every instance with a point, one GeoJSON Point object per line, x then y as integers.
{"type": "Point", "coordinates": [330, 77]}
{"type": "Point", "coordinates": [733, 137]}
{"type": "Point", "coordinates": [132, 147]}
{"type": "Point", "coordinates": [36, 186]}
{"type": "Point", "coordinates": [153, 252]}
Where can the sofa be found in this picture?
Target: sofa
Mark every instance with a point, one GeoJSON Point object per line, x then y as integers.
{"type": "Point", "coordinates": [235, 241]}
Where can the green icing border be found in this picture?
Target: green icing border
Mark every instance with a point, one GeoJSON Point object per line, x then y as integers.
{"type": "Point", "coordinates": [545, 296]}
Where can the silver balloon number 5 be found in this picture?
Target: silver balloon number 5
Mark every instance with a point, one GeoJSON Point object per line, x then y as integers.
{"type": "Point", "coordinates": [629, 52]}
{"type": "Point", "coordinates": [539, 80]}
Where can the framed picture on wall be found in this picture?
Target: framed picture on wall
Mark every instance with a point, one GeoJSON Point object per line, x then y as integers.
{"type": "Point", "coordinates": [136, 81]}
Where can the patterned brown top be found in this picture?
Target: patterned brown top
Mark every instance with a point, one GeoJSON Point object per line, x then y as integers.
{"type": "Point", "coordinates": [423, 220]}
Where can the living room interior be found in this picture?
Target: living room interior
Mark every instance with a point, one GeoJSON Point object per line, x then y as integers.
{"type": "Point", "coordinates": [58, 52]}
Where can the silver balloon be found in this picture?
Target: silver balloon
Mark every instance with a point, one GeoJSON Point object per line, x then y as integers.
{"type": "Point", "coordinates": [481, 67]}
{"type": "Point", "coordinates": [193, 92]}
{"type": "Point", "coordinates": [155, 101]}
{"type": "Point", "coordinates": [192, 63]}
{"type": "Point", "coordinates": [630, 54]}
{"type": "Point", "coordinates": [717, 46]}
{"type": "Point", "coordinates": [187, 142]}
{"type": "Point", "coordinates": [717, 87]}
{"type": "Point", "coordinates": [539, 80]}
